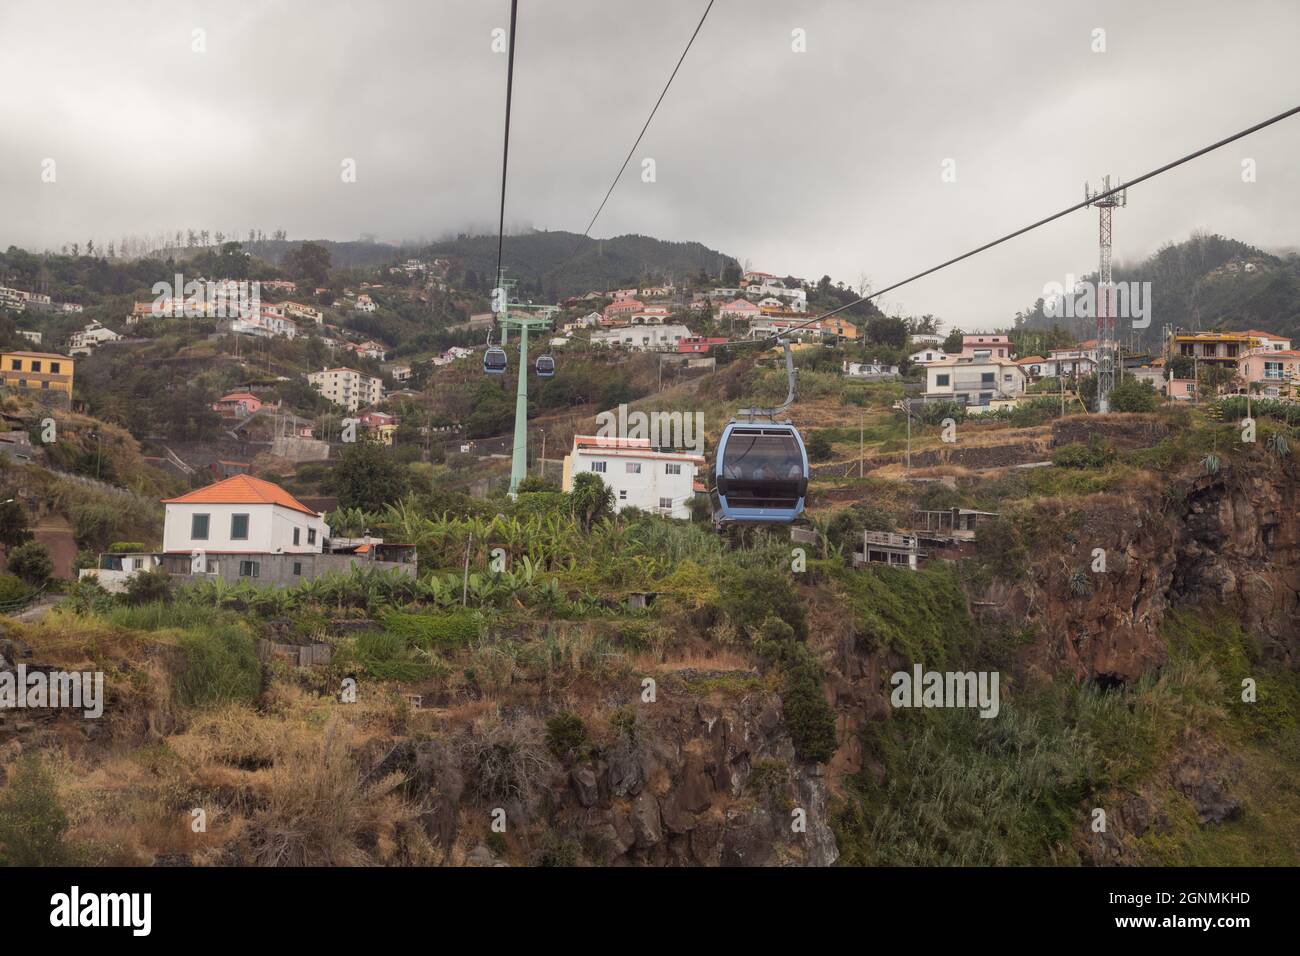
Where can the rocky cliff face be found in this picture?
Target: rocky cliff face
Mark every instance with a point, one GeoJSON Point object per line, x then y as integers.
{"type": "Point", "coordinates": [1231, 539]}
{"type": "Point", "coordinates": [702, 781]}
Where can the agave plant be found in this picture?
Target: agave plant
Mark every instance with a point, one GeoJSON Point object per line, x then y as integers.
{"type": "Point", "coordinates": [1210, 464]}
{"type": "Point", "coordinates": [1278, 445]}
{"type": "Point", "coordinates": [1080, 583]}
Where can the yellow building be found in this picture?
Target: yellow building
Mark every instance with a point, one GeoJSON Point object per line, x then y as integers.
{"type": "Point", "coordinates": [37, 371]}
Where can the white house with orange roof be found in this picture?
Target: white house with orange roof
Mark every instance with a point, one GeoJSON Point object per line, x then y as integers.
{"type": "Point", "coordinates": [242, 515]}
{"type": "Point", "coordinates": [661, 482]}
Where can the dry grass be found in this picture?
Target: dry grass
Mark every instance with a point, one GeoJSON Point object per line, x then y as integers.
{"type": "Point", "coordinates": [317, 808]}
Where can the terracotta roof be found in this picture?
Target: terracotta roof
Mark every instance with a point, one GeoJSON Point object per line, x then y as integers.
{"type": "Point", "coordinates": [242, 490]}
{"type": "Point", "coordinates": [238, 397]}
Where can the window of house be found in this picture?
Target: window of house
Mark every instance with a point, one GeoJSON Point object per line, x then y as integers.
{"type": "Point", "coordinates": [16, 365]}
{"type": "Point", "coordinates": [45, 384]}
{"type": "Point", "coordinates": [198, 527]}
{"type": "Point", "coordinates": [36, 366]}
{"type": "Point", "coordinates": [598, 466]}
{"type": "Point", "coordinates": [633, 467]}
{"type": "Point", "coordinates": [940, 380]}
{"type": "Point", "coordinates": [311, 535]}
{"type": "Point", "coordinates": [239, 527]}
{"type": "Point", "coordinates": [986, 378]}
{"type": "Point", "coordinates": [250, 569]}
{"type": "Point", "coordinates": [54, 368]}
{"type": "Point", "coordinates": [297, 569]}
{"type": "Point", "coordinates": [665, 502]}
{"type": "Point", "coordinates": [297, 532]}
{"type": "Point", "coordinates": [672, 468]}
{"type": "Point", "coordinates": [622, 494]}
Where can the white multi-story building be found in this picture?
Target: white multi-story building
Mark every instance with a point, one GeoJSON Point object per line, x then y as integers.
{"type": "Point", "coordinates": [775, 287]}
{"type": "Point", "coordinates": [451, 355]}
{"type": "Point", "coordinates": [661, 482]}
{"type": "Point", "coordinates": [93, 335]}
{"type": "Point", "coordinates": [242, 515]}
{"type": "Point", "coordinates": [12, 299]}
{"type": "Point", "coordinates": [348, 387]}
{"type": "Point", "coordinates": [974, 381]}
{"type": "Point", "coordinates": [267, 323]}
{"type": "Point", "coordinates": [365, 303]}
{"type": "Point", "coordinates": [645, 338]}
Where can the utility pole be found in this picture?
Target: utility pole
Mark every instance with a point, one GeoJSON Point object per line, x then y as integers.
{"type": "Point", "coordinates": [907, 410]}
{"type": "Point", "coordinates": [862, 418]}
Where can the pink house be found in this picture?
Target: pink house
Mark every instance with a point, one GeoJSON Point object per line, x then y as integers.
{"type": "Point", "coordinates": [994, 346]}
{"type": "Point", "coordinates": [1275, 371]}
{"type": "Point", "coordinates": [739, 309]}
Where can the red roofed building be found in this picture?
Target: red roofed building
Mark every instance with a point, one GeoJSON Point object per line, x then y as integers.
{"type": "Point", "coordinates": [241, 515]}
{"type": "Point", "coordinates": [237, 405]}
{"type": "Point", "coordinates": [622, 308]}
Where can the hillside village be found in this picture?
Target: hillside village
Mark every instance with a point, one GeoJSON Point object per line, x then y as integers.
{"type": "Point", "coordinates": [292, 478]}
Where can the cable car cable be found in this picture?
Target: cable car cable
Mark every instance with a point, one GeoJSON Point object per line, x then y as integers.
{"type": "Point", "coordinates": [1042, 222]}
{"type": "Point", "coordinates": [662, 94]}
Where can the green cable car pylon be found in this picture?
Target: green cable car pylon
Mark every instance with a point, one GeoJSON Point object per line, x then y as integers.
{"type": "Point", "coordinates": [524, 323]}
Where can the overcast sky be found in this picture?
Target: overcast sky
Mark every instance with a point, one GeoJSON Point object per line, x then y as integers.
{"type": "Point", "coordinates": [824, 161]}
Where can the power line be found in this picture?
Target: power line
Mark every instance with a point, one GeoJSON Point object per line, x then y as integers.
{"type": "Point", "coordinates": [632, 151]}
{"type": "Point", "coordinates": [505, 149]}
{"type": "Point", "coordinates": [1044, 221]}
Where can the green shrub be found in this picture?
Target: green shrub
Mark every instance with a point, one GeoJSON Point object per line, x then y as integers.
{"type": "Point", "coordinates": [447, 631]}
{"type": "Point", "coordinates": [148, 587]}
{"type": "Point", "coordinates": [566, 735]}
{"type": "Point", "coordinates": [556, 851]}
{"type": "Point", "coordinates": [752, 595]}
{"type": "Point", "coordinates": [921, 615]}
{"type": "Point", "coordinates": [385, 655]}
{"type": "Point", "coordinates": [31, 562]}
{"type": "Point", "coordinates": [1132, 395]}
{"type": "Point", "coordinates": [819, 446]}
{"type": "Point", "coordinates": [128, 547]}
{"type": "Point", "coordinates": [32, 822]}
{"type": "Point", "coordinates": [808, 717]}
{"type": "Point", "coordinates": [220, 666]}
{"type": "Point", "coordinates": [1098, 453]}
{"type": "Point", "coordinates": [12, 589]}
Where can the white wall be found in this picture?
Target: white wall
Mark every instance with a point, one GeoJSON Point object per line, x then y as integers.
{"type": "Point", "coordinates": [270, 529]}
{"type": "Point", "coordinates": [645, 489]}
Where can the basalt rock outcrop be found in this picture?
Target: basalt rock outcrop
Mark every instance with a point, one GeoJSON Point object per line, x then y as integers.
{"type": "Point", "coordinates": [1230, 539]}
{"type": "Point", "coordinates": [701, 781]}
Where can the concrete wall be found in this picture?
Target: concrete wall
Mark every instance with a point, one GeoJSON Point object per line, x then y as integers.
{"type": "Point", "coordinates": [278, 570]}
